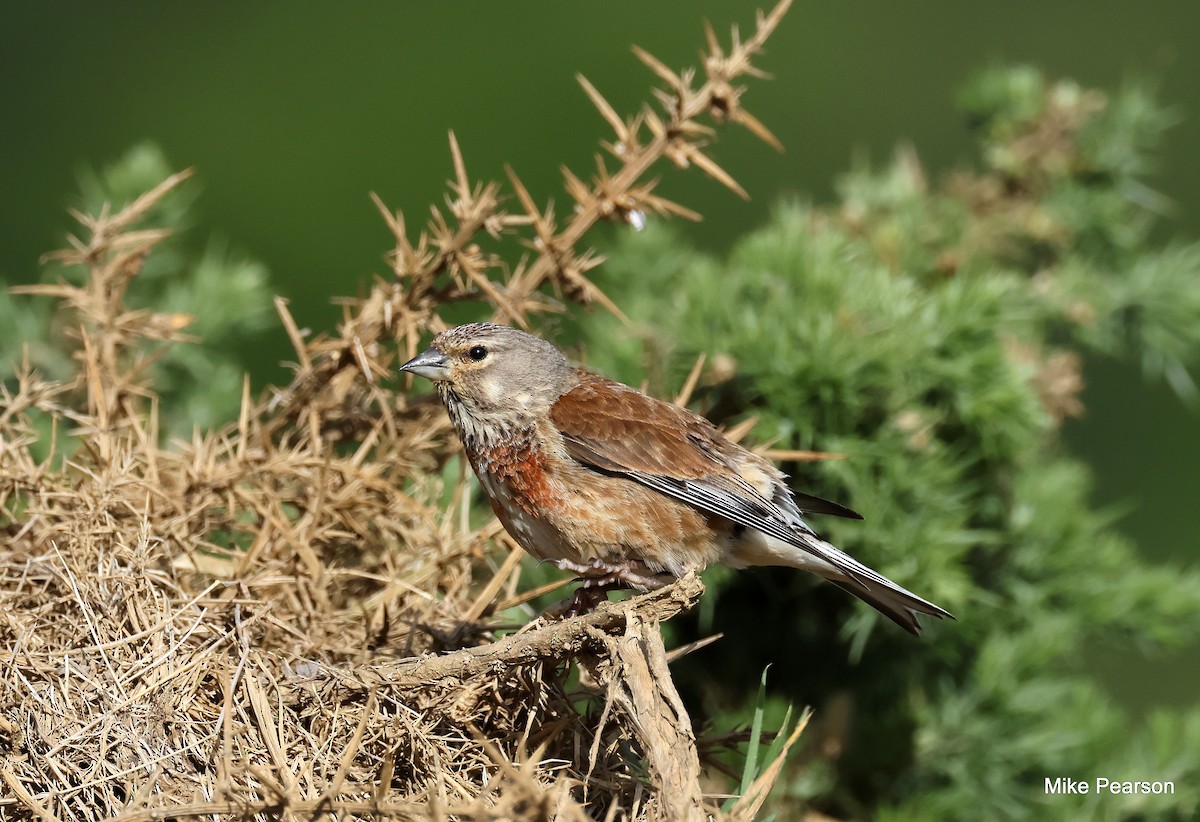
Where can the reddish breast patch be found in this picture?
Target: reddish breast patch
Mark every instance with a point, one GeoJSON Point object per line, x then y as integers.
{"type": "Point", "coordinates": [521, 467]}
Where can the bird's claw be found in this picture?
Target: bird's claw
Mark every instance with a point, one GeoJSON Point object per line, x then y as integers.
{"type": "Point", "coordinates": [591, 592]}
{"type": "Point", "coordinates": [587, 597]}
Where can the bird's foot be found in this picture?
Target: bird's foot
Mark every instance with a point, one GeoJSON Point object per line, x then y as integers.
{"type": "Point", "coordinates": [598, 578]}
{"type": "Point", "coordinates": [583, 600]}
{"type": "Point", "coordinates": [629, 574]}
{"type": "Point", "coordinates": [588, 595]}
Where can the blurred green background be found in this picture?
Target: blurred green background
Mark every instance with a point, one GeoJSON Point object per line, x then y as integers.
{"type": "Point", "coordinates": [293, 112]}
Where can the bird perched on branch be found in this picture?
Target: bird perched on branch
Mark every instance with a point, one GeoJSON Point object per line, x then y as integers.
{"type": "Point", "coordinates": [620, 488]}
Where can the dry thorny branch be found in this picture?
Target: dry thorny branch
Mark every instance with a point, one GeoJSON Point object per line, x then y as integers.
{"type": "Point", "coordinates": [279, 618]}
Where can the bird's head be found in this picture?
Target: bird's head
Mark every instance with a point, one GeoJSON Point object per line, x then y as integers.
{"type": "Point", "coordinates": [493, 371]}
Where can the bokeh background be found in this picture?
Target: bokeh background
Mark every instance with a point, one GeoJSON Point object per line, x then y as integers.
{"type": "Point", "coordinates": [292, 112]}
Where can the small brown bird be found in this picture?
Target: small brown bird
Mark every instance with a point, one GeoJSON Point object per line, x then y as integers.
{"type": "Point", "coordinates": [620, 488]}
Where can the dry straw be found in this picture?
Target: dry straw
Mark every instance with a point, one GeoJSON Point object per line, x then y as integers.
{"type": "Point", "coordinates": [281, 618]}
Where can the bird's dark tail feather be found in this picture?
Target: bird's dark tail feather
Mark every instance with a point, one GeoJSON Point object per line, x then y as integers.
{"type": "Point", "coordinates": [895, 603]}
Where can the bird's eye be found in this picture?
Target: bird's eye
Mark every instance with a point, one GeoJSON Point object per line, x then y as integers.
{"type": "Point", "coordinates": [477, 353]}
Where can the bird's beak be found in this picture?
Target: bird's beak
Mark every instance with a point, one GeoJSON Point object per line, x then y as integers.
{"type": "Point", "coordinates": [430, 364]}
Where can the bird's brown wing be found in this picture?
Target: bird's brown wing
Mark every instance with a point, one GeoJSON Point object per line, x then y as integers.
{"type": "Point", "coordinates": [616, 429]}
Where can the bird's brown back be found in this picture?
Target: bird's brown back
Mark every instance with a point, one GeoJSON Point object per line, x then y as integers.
{"type": "Point", "coordinates": [630, 431]}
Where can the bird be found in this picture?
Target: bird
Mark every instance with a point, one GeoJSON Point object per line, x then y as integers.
{"type": "Point", "coordinates": [622, 489]}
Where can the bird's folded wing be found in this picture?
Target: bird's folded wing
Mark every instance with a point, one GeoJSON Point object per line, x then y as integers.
{"type": "Point", "coordinates": [616, 429]}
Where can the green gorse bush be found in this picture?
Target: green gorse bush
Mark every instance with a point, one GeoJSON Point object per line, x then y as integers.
{"type": "Point", "coordinates": [934, 335]}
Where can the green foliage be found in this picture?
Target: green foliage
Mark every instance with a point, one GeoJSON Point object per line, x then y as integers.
{"type": "Point", "coordinates": [933, 335]}
{"type": "Point", "coordinates": [225, 295]}
{"type": "Point", "coordinates": [761, 754]}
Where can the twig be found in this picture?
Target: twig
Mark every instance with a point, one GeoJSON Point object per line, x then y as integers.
{"type": "Point", "coordinates": [557, 640]}
{"type": "Point", "coordinates": [640, 684]}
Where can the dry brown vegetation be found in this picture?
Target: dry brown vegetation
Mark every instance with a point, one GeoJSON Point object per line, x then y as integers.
{"type": "Point", "coordinates": [294, 616]}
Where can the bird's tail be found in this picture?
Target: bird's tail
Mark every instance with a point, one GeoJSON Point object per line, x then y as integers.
{"type": "Point", "coordinates": [897, 603]}
{"type": "Point", "coordinates": [808, 552]}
